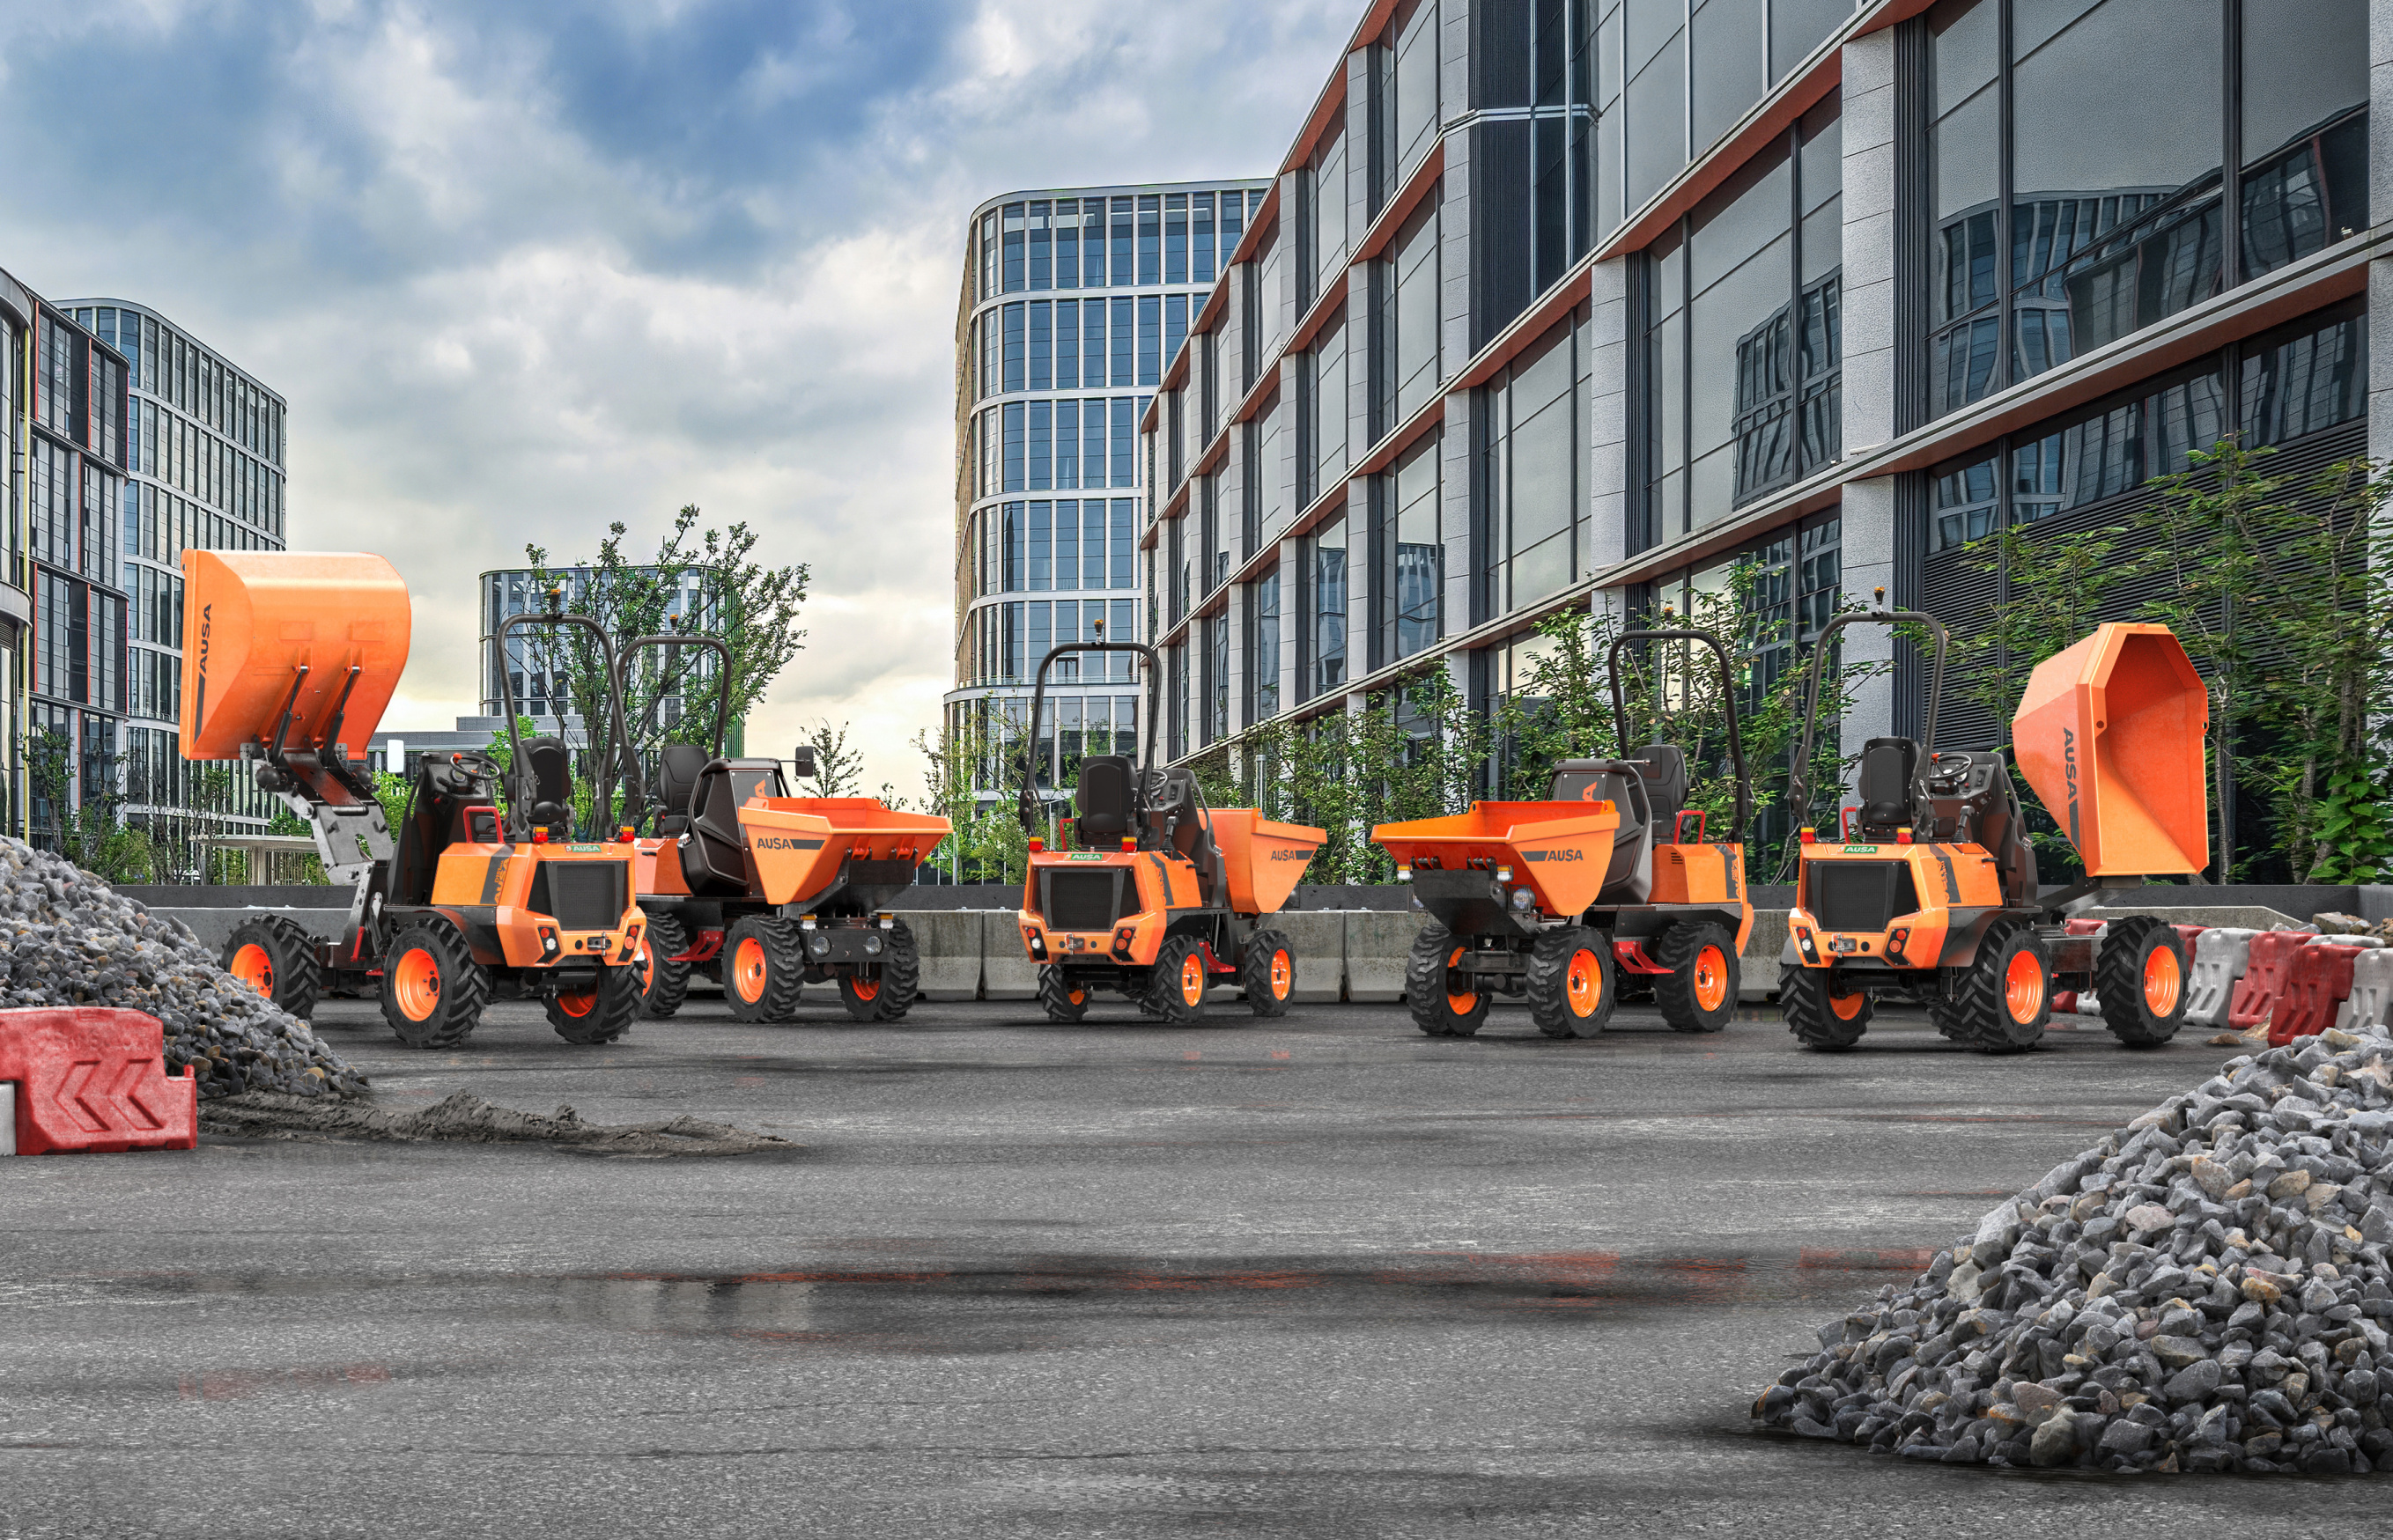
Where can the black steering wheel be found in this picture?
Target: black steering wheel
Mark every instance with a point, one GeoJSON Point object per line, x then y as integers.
{"type": "Point", "coordinates": [475, 762]}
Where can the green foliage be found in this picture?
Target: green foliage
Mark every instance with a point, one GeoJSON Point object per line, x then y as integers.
{"type": "Point", "coordinates": [91, 836]}
{"type": "Point", "coordinates": [751, 608]}
{"type": "Point", "coordinates": [987, 844]}
{"type": "Point", "coordinates": [2355, 840]}
{"type": "Point", "coordinates": [839, 770]}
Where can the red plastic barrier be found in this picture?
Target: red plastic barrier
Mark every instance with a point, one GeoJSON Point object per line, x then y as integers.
{"type": "Point", "coordinates": [94, 1080]}
{"type": "Point", "coordinates": [2263, 983]}
{"type": "Point", "coordinates": [2319, 980]}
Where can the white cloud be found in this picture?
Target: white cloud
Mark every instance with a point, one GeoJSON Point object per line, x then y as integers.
{"type": "Point", "coordinates": [511, 297]}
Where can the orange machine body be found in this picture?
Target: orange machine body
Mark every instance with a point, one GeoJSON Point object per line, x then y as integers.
{"type": "Point", "coordinates": [1262, 862]}
{"type": "Point", "coordinates": [505, 899]}
{"type": "Point", "coordinates": [2110, 732]}
{"type": "Point", "coordinates": [252, 618]}
{"type": "Point", "coordinates": [1557, 850]}
{"type": "Point", "coordinates": [797, 844]}
{"type": "Point", "coordinates": [1157, 885]}
{"type": "Point", "coordinates": [1933, 894]}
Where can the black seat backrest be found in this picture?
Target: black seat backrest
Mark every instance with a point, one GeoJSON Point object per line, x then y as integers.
{"type": "Point", "coordinates": [715, 855]}
{"type": "Point", "coordinates": [1626, 784]}
{"type": "Point", "coordinates": [1884, 784]}
{"type": "Point", "coordinates": [1107, 801]}
{"type": "Point", "coordinates": [446, 806]}
{"type": "Point", "coordinates": [1176, 806]}
{"type": "Point", "coordinates": [677, 770]}
{"type": "Point", "coordinates": [1666, 787]}
{"type": "Point", "coordinates": [541, 791]}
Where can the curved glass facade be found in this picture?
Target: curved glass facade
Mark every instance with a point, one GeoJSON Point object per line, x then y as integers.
{"type": "Point", "coordinates": [1074, 300]}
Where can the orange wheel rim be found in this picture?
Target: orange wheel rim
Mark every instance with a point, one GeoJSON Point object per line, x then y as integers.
{"type": "Point", "coordinates": [1711, 978]}
{"type": "Point", "coordinates": [2162, 981]}
{"type": "Point", "coordinates": [1466, 1003]}
{"type": "Point", "coordinates": [253, 966]}
{"type": "Point", "coordinates": [1847, 1007]}
{"type": "Point", "coordinates": [864, 989]}
{"type": "Point", "coordinates": [415, 984]}
{"type": "Point", "coordinates": [1583, 983]}
{"type": "Point", "coordinates": [1283, 973]}
{"type": "Point", "coordinates": [748, 968]}
{"type": "Point", "coordinates": [579, 1002]}
{"type": "Point", "coordinates": [2023, 986]}
{"type": "Point", "coordinates": [1192, 979]}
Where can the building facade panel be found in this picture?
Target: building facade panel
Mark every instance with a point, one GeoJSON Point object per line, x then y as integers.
{"type": "Point", "coordinates": [204, 458]}
{"type": "Point", "coordinates": [1827, 289]}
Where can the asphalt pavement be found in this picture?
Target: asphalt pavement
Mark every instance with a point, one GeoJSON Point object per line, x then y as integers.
{"type": "Point", "coordinates": [1318, 1276]}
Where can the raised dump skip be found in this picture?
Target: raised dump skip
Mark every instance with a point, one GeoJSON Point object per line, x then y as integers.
{"type": "Point", "coordinates": [2110, 734]}
{"type": "Point", "coordinates": [252, 618]}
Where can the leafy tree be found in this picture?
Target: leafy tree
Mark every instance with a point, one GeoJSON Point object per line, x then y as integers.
{"type": "Point", "coordinates": [839, 770]}
{"type": "Point", "coordinates": [752, 607]}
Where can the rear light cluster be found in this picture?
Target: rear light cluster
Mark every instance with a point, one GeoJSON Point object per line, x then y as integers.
{"type": "Point", "coordinates": [1803, 942]}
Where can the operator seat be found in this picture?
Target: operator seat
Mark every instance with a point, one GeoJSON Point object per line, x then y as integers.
{"type": "Point", "coordinates": [678, 767]}
{"type": "Point", "coordinates": [1175, 806]}
{"type": "Point", "coordinates": [542, 795]}
{"type": "Point", "coordinates": [713, 852]}
{"type": "Point", "coordinates": [1889, 766]}
{"type": "Point", "coordinates": [446, 805]}
{"type": "Point", "coordinates": [1973, 800]}
{"type": "Point", "coordinates": [1107, 801]}
{"type": "Point", "coordinates": [1666, 787]}
{"type": "Point", "coordinates": [1623, 783]}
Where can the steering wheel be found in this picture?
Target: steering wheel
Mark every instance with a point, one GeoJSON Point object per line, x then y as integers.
{"type": "Point", "coordinates": [475, 762]}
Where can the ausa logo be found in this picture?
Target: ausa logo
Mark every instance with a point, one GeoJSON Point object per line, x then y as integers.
{"type": "Point", "coordinates": [1086, 855]}
{"type": "Point", "coordinates": [2069, 769]}
{"type": "Point", "coordinates": [200, 697]}
{"type": "Point", "coordinates": [783, 841]}
{"type": "Point", "coordinates": [1291, 856]}
{"type": "Point", "coordinates": [1553, 855]}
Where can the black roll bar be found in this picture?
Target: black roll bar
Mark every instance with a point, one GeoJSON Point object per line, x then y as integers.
{"type": "Point", "coordinates": [1027, 805]}
{"type": "Point", "coordinates": [1799, 791]}
{"type": "Point", "coordinates": [1728, 698]}
{"type": "Point", "coordinates": [614, 746]}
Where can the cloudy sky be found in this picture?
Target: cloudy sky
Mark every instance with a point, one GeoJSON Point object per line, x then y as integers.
{"type": "Point", "coordinates": [523, 267]}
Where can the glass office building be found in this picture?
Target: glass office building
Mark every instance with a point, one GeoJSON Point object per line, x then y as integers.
{"type": "Point", "coordinates": [1074, 302]}
{"type": "Point", "coordinates": [1558, 303]}
{"type": "Point", "coordinates": [203, 445]}
{"type": "Point", "coordinates": [42, 432]}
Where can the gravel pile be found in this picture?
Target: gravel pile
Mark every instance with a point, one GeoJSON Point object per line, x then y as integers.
{"type": "Point", "coordinates": [67, 938]}
{"type": "Point", "coordinates": [2206, 1289]}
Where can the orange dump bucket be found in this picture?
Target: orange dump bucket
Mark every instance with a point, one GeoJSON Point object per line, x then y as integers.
{"type": "Point", "coordinates": [799, 842]}
{"type": "Point", "coordinates": [2110, 734]}
{"type": "Point", "coordinates": [1559, 850]}
{"type": "Point", "coordinates": [251, 619]}
{"type": "Point", "coordinates": [1263, 860]}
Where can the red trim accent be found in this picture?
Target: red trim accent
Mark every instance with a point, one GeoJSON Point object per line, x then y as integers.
{"type": "Point", "coordinates": [1213, 964]}
{"type": "Point", "coordinates": [709, 943]}
{"type": "Point", "coordinates": [1679, 829]}
{"type": "Point", "coordinates": [1629, 957]}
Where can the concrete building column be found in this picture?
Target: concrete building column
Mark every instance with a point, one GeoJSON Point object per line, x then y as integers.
{"type": "Point", "coordinates": [1291, 607]}
{"type": "Point", "coordinates": [1867, 521]}
{"type": "Point", "coordinates": [1607, 450]}
{"type": "Point", "coordinates": [2380, 199]}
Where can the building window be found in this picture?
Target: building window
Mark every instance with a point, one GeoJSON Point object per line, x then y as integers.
{"type": "Point", "coordinates": [1532, 422]}
{"type": "Point", "coordinates": [2089, 265]}
{"type": "Point", "coordinates": [1746, 398]}
{"type": "Point", "coordinates": [1405, 308]}
{"type": "Point", "coordinates": [1263, 648]}
{"type": "Point", "coordinates": [1408, 559]}
{"type": "Point", "coordinates": [1321, 634]}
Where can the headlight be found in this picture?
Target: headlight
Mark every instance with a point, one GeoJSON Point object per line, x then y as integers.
{"type": "Point", "coordinates": [1523, 899]}
{"type": "Point", "coordinates": [818, 945]}
{"type": "Point", "coordinates": [871, 944]}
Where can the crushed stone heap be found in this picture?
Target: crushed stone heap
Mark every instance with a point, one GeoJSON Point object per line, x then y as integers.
{"type": "Point", "coordinates": [2205, 1290]}
{"type": "Point", "coordinates": [68, 938]}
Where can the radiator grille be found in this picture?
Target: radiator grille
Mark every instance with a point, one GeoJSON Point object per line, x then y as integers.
{"type": "Point", "coordinates": [1860, 895]}
{"type": "Point", "coordinates": [580, 895]}
{"type": "Point", "coordinates": [1080, 900]}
